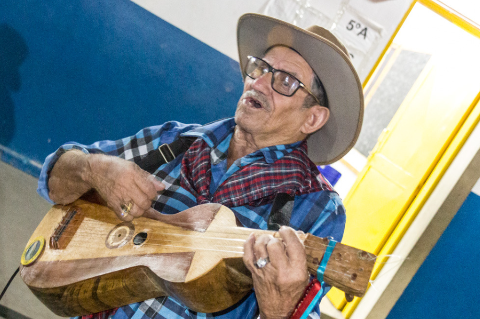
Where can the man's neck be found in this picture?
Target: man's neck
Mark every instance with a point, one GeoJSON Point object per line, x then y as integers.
{"type": "Point", "coordinates": [244, 143]}
{"type": "Point", "coordinates": [241, 144]}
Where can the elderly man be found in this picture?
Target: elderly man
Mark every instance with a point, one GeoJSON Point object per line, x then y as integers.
{"type": "Point", "coordinates": [243, 163]}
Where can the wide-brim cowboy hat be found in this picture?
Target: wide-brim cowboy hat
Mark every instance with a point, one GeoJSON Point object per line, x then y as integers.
{"type": "Point", "coordinates": [330, 61]}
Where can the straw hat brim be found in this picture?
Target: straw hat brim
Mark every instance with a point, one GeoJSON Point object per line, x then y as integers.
{"type": "Point", "coordinates": [256, 33]}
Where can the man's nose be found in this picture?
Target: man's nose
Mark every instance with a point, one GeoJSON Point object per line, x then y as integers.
{"type": "Point", "coordinates": [263, 82]}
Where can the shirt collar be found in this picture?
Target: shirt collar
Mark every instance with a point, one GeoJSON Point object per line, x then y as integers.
{"type": "Point", "coordinates": [273, 153]}
{"type": "Point", "coordinates": [213, 133]}
{"type": "Point", "coordinates": [218, 134]}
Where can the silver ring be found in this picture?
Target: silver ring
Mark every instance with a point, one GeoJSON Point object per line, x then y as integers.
{"type": "Point", "coordinates": [262, 262]}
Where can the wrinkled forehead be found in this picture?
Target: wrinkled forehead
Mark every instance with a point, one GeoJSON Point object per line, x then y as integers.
{"type": "Point", "coordinates": [295, 58]}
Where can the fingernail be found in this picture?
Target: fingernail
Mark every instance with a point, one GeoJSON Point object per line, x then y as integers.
{"type": "Point", "coordinates": [155, 179]}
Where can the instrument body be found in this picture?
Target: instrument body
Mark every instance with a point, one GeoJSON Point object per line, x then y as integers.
{"type": "Point", "coordinates": [92, 261]}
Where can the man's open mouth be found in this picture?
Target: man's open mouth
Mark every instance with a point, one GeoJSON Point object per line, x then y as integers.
{"type": "Point", "coordinates": [253, 102]}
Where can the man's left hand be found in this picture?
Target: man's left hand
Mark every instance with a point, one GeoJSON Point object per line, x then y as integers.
{"type": "Point", "coordinates": [281, 282]}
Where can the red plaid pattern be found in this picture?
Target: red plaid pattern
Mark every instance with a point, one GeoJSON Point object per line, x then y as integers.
{"type": "Point", "coordinates": [282, 168]}
{"type": "Point", "coordinates": [101, 315]}
{"type": "Point", "coordinates": [255, 184]}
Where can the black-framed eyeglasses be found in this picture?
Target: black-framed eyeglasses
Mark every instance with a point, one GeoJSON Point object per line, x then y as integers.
{"type": "Point", "coordinates": [282, 82]}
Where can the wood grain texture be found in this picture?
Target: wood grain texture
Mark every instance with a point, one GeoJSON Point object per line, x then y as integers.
{"type": "Point", "coordinates": [348, 268]}
{"type": "Point", "coordinates": [194, 256]}
{"type": "Point", "coordinates": [69, 225]}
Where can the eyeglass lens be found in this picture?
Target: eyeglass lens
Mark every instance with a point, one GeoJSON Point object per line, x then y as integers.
{"type": "Point", "coordinates": [282, 82]}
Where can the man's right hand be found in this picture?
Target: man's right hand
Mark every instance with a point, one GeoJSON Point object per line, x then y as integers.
{"type": "Point", "coordinates": [119, 182]}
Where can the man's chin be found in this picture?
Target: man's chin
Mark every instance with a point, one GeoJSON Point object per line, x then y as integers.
{"type": "Point", "coordinates": [245, 121]}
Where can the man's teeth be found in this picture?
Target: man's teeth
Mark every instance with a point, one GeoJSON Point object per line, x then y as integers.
{"type": "Point", "coordinates": [253, 103]}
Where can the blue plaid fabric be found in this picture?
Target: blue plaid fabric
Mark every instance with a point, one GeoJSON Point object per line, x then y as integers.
{"type": "Point", "coordinates": [320, 213]}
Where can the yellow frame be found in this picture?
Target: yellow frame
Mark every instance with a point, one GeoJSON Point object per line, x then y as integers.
{"type": "Point", "coordinates": [473, 119]}
{"type": "Point", "coordinates": [453, 16]}
{"type": "Point", "coordinates": [388, 44]}
{"type": "Point", "coordinates": [441, 9]}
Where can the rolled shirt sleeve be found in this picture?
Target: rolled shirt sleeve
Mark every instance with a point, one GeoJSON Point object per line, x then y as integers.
{"type": "Point", "coordinates": [131, 148]}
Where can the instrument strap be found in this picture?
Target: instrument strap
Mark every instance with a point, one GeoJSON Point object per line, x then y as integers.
{"type": "Point", "coordinates": [282, 207]}
{"type": "Point", "coordinates": [8, 283]}
{"type": "Point", "coordinates": [315, 289]}
{"type": "Point", "coordinates": [165, 153]}
{"type": "Point", "coordinates": [323, 265]}
{"type": "Point", "coordinates": [312, 293]}
{"type": "Point", "coordinates": [281, 211]}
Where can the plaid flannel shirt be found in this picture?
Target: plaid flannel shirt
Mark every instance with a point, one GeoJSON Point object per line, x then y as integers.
{"type": "Point", "coordinates": [317, 208]}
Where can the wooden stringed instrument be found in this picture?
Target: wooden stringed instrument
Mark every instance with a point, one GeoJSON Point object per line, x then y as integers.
{"type": "Point", "coordinates": [82, 259]}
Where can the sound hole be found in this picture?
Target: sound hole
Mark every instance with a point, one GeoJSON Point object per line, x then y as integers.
{"type": "Point", "coordinates": [140, 238]}
{"type": "Point", "coordinates": [120, 235]}
{"type": "Point", "coordinates": [33, 251]}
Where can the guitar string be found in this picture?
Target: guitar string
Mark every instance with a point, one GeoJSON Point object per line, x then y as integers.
{"type": "Point", "coordinates": [344, 274]}
{"type": "Point", "coordinates": [159, 241]}
{"type": "Point", "coordinates": [241, 253]}
{"type": "Point", "coordinates": [240, 232]}
{"type": "Point", "coordinates": [226, 251]}
{"type": "Point", "coordinates": [162, 243]}
{"type": "Point", "coordinates": [166, 226]}
{"type": "Point", "coordinates": [161, 230]}
{"type": "Point", "coordinates": [392, 263]}
{"type": "Point", "coordinates": [188, 224]}
{"type": "Point", "coordinates": [344, 256]}
{"type": "Point", "coordinates": [196, 236]}
{"type": "Point", "coordinates": [177, 225]}
{"type": "Point", "coordinates": [202, 230]}
{"type": "Point", "coordinates": [219, 249]}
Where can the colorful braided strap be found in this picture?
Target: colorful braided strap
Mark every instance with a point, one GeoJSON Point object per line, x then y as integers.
{"type": "Point", "coordinates": [315, 289]}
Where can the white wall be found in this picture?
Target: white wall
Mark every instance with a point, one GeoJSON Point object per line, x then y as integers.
{"type": "Point", "coordinates": [214, 21]}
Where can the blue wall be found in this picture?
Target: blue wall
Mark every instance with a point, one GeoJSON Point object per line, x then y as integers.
{"type": "Point", "coordinates": [85, 70]}
{"type": "Point", "coordinates": [446, 285]}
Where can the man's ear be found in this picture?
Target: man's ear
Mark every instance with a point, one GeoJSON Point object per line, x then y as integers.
{"type": "Point", "coordinates": [317, 117]}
